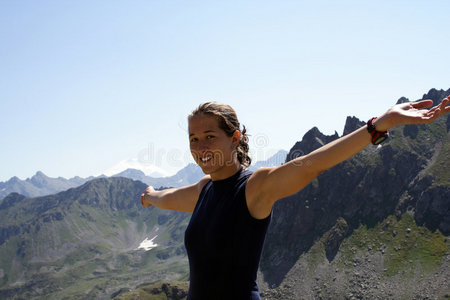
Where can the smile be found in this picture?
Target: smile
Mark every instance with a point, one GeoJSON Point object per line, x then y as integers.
{"type": "Point", "coordinates": [206, 159]}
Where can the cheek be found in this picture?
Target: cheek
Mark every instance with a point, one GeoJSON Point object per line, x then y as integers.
{"type": "Point", "coordinates": [193, 150]}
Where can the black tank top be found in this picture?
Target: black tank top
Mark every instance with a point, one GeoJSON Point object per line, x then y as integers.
{"type": "Point", "coordinates": [224, 242]}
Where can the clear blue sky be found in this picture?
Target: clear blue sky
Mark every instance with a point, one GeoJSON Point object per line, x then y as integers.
{"type": "Point", "coordinates": [86, 84]}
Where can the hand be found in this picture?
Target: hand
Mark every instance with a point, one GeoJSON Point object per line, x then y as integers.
{"type": "Point", "coordinates": [146, 196]}
{"type": "Point", "coordinates": [412, 113]}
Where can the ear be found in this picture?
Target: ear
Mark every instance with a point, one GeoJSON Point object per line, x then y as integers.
{"type": "Point", "coordinates": [236, 137]}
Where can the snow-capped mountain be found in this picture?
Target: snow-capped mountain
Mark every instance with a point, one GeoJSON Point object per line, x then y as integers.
{"type": "Point", "coordinates": [136, 164]}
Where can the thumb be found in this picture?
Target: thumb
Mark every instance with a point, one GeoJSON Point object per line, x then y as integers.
{"type": "Point", "coordinates": [143, 203]}
{"type": "Point", "coordinates": [422, 104]}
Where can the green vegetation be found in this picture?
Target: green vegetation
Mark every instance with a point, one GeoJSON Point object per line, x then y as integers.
{"type": "Point", "coordinates": [159, 291]}
{"type": "Point", "coordinates": [82, 243]}
{"type": "Point", "coordinates": [440, 168]}
{"type": "Point", "coordinates": [316, 255]}
{"type": "Point", "coordinates": [405, 246]}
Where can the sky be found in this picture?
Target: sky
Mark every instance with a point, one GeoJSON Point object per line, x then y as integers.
{"type": "Point", "coordinates": [87, 85]}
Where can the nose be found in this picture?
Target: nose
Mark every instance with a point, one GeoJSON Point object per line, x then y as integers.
{"type": "Point", "coordinates": [199, 149]}
{"type": "Point", "coordinates": [202, 146]}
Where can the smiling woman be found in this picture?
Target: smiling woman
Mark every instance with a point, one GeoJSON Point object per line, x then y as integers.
{"type": "Point", "coordinates": [232, 207]}
{"type": "Point", "coordinates": [217, 144]}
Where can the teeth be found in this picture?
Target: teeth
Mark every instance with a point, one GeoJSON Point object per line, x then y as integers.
{"type": "Point", "coordinates": [206, 159]}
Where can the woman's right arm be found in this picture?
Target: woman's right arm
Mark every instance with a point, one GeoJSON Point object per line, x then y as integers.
{"type": "Point", "coordinates": [180, 199]}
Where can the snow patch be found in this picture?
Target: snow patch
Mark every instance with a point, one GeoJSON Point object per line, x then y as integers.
{"type": "Point", "coordinates": [147, 244]}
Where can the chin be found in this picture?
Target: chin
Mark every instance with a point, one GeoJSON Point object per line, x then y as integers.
{"type": "Point", "coordinates": [208, 169]}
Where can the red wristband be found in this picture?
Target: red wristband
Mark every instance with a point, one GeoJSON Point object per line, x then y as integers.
{"type": "Point", "coordinates": [377, 136]}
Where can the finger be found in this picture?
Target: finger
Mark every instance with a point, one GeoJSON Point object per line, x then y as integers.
{"type": "Point", "coordinates": [142, 199]}
{"type": "Point", "coordinates": [433, 115]}
{"type": "Point", "coordinates": [433, 110]}
{"type": "Point", "coordinates": [447, 109]}
{"type": "Point", "coordinates": [422, 104]}
{"type": "Point", "coordinates": [445, 102]}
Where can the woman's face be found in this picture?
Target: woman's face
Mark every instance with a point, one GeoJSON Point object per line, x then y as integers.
{"type": "Point", "coordinates": [212, 149]}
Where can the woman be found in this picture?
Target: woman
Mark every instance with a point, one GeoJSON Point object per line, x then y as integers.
{"type": "Point", "coordinates": [232, 206]}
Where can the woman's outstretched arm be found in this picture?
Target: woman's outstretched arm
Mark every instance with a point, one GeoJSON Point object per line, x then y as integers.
{"type": "Point", "coordinates": [267, 185]}
{"type": "Point", "coordinates": [180, 199]}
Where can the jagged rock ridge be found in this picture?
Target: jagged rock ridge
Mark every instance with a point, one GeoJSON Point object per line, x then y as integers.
{"type": "Point", "coordinates": [409, 173]}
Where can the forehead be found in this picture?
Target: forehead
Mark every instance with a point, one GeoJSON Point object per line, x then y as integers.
{"type": "Point", "coordinates": [201, 123]}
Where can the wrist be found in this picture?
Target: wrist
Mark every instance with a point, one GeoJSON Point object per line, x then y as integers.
{"type": "Point", "coordinates": [378, 136]}
{"type": "Point", "coordinates": [382, 123]}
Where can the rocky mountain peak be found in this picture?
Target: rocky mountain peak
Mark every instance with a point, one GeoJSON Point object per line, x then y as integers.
{"type": "Point", "coordinates": [351, 124]}
{"type": "Point", "coordinates": [13, 179]}
{"type": "Point", "coordinates": [402, 100]}
{"type": "Point", "coordinates": [405, 174]}
{"type": "Point", "coordinates": [311, 141]}
{"type": "Point", "coordinates": [131, 173]}
{"type": "Point", "coordinates": [436, 95]}
{"type": "Point", "coordinates": [39, 179]}
{"type": "Point", "coordinates": [10, 200]}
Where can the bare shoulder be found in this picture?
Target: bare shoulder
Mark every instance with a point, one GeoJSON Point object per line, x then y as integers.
{"type": "Point", "coordinates": [258, 177]}
{"type": "Point", "coordinates": [202, 182]}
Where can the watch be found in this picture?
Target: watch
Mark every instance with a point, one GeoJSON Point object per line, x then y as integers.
{"type": "Point", "coordinates": [377, 136]}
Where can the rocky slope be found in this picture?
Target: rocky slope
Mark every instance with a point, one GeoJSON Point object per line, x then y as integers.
{"type": "Point", "coordinates": [408, 175]}
{"type": "Point", "coordinates": [84, 242]}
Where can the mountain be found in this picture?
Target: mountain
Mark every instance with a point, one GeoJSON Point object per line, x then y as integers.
{"type": "Point", "coordinates": [188, 175]}
{"type": "Point", "coordinates": [192, 172]}
{"type": "Point", "coordinates": [136, 164]}
{"type": "Point", "coordinates": [83, 242]}
{"type": "Point", "coordinates": [275, 160]}
{"type": "Point", "coordinates": [39, 185]}
{"type": "Point", "coordinates": [373, 227]}
{"type": "Point", "coordinates": [376, 225]}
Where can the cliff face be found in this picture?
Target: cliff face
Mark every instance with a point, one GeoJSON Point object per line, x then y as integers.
{"type": "Point", "coordinates": [408, 173]}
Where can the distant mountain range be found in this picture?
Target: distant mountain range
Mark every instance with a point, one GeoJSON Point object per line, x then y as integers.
{"type": "Point", "coordinates": [41, 185]}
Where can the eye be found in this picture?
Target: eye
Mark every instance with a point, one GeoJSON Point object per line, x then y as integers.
{"type": "Point", "coordinates": [209, 137]}
{"type": "Point", "coordinates": [193, 140]}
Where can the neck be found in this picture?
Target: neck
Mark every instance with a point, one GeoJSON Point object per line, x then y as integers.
{"type": "Point", "coordinates": [226, 172]}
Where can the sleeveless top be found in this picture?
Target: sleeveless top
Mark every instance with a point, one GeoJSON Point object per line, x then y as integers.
{"type": "Point", "coordinates": [224, 242]}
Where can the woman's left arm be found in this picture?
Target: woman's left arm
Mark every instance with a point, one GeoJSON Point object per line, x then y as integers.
{"type": "Point", "coordinates": [267, 185]}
